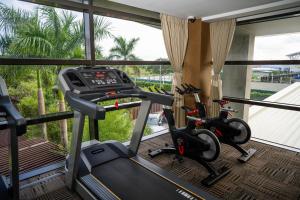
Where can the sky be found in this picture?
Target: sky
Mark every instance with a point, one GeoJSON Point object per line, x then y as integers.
{"type": "Point", "coordinates": [276, 47]}
{"type": "Point", "coordinates": [151, 44]}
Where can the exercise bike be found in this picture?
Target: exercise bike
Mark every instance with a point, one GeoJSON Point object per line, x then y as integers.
{"type": "Point", "coordinates": [230, 131]}
{"type": "Point", "coordinates": [197, 144]}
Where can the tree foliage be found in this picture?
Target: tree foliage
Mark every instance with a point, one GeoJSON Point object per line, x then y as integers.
{"type": "Point", "coordinates": [123, 49]}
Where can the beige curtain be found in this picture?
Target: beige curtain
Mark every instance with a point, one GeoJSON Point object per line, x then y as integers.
{"type": "Point", "coordinates": [221, 35]}
{"type": "Point", "coordinates": [175, 33]}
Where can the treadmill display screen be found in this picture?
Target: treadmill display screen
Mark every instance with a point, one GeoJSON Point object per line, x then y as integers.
{"type": "Point", "coordinates": [101, 78]}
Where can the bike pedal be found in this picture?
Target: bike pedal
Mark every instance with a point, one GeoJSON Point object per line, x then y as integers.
{"type": "Point", "coordinates": [245, 158]}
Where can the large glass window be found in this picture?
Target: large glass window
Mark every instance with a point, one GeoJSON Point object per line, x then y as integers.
{"type": "Point", "coordinates": [128, 40]}
{"type": "Point", "coordinates": [274, 82]}
{"type": "Point", "coordinates": [36, 31]}
{"type": "Point", "coordinates": [33, 31]}
{"type": "Point", "coordinates": [270, 40]}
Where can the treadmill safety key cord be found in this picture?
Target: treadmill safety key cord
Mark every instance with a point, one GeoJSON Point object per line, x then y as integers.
{"type": "Point", "coordinates": [117, 104]}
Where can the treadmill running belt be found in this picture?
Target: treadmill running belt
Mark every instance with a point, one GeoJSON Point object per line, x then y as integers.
{"type": "Point", "coordinates": [129, 180]}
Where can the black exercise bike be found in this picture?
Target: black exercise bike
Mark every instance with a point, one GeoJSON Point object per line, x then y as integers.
{"type": "Point", "coordinates": [196, 143]}
{"type": "Point", "coordinates": [230, 131]}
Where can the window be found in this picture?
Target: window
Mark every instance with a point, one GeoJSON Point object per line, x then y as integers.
{"type": "Point", "coordinates": [118, 39]}
{"type": "Point", "coordinates": [33, 31]}
{"type": "Point", "coordinates": [35, 86]}
{"type": "Point", "coordinates": [271, 81]}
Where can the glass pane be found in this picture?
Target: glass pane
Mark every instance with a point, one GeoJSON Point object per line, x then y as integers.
{"type": "Point", "coordinates": [274, 83]}
{"type": "Point", "coordinates": [35, 31]}
{"type": "Point", "coordinates": [144, 77]}
{"type": "Point", "coordinates": [271, 40]}
{"type": "Point", "coordinates": [118, 39]}
{"type": "Point", "coordinates": [277, 47]}
{"type": "Point", "coordinates": [265, 82]}
{"type": "Point", "coordinates": [31, 87]}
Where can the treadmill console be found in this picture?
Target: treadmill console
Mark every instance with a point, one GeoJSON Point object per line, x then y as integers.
{"type": "Point", "coordinates": [101, 78]}
{"type": "Point", "coordinates": [97, 80]}
{"type": "Point", "coordinates": [84, 87]}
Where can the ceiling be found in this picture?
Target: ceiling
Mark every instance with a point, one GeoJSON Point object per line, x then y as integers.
{"type": "Point", "coordinates": [282, 26]}
{"type": "Point", "coordinates": [208, 8]}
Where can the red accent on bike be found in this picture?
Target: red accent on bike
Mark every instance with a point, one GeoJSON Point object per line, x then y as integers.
{"type": "Point", "coordinates": [193, 112]}
{"type": "Point", "coordinates": [223, 102]}
{"type": "Point", "coordinates": [117, 104]}
{"type": "Point", "coordinates": [181, 149]}
{"type": "Point", "coordinates": [198, 123]}
{"type": "Point", "coordinates": [218, 133]}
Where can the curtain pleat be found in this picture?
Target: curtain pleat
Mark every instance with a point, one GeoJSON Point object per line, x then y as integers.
{"type": "Point", "coordinates": [221, 35]}
{"type": "Point", "coordinates": [175, 34]}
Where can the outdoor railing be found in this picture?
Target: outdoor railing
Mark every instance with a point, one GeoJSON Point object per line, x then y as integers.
{"type": "Point", "coordinates": [270, 104]}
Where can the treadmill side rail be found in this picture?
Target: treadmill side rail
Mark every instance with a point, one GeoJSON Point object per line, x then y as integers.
{"type": "Point", "coordinates": [186, 187]}
{"type": "Point", "coordinates": [139, 127]}
{"type": "Point", "coordinates": [75, 150]}
{"type": "Point", "coordinates": [97, 188]}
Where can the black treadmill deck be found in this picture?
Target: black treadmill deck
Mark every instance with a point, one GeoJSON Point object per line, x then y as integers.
{"type": "Point", "coordinates": [130, 180]}
{"type": "Point", "coordinates": [126, 177]}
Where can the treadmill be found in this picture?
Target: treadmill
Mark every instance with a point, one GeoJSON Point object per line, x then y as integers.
{"type": "Point", "coordinates": [111, 170]}
{"type": "Point", "coordinates": [9, 186]}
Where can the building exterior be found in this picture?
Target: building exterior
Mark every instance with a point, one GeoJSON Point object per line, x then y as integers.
{"type": "Point", "coordinates": [277, 125]}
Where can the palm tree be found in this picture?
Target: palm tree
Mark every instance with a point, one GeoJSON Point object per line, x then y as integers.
{"type": "Point", "coordinates": [5, 41]}
{"type": "Point", "coordinates": [123, 49]}
{"type": "Point", "coordinates": [47, 33]}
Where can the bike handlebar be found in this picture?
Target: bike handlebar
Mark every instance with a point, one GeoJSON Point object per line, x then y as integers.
{"type": "Point", "coordinates": [187, 89]}
{"type": "Point", "coordinates": [221, 102]}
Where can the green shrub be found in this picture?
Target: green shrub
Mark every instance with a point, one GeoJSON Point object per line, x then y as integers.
{"type": "Point", "coordinates": [28, 106]}
{"type": "Point", "coordinates": [260, 94]}
{"type": "Point", "coordinates": [147, 84]}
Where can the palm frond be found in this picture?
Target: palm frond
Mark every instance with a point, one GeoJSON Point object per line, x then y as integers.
{"type": "Point", "coordinates": [10, 18]}
{"type": "Point", "coordinates": [5, 41]}
{"type": "Point", "coordinates": [123, 49]}
{"type": "Point", "coordinates": [132, 57]}
{"type": "Point", "coordinates": [114, 57]}
{"type": "Point", "coordinates": [131, 44]}
{"type": "Point", "coordinates": [52, 20]}
{"type": "Point", "coordinates": [102, 28]}
{"type": "Point", "coordinates": [32, 40]}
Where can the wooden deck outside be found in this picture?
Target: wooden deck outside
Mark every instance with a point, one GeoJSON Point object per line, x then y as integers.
{"type": "Point", "coordinates": [273, 173]}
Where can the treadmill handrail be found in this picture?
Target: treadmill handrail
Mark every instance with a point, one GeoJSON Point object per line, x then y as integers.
{"type": "Point", "coordinates": [116, 96]}
{"type": "Point", "coordinates": [86, 107]}
{"type": "Point", "coordinates": [163, 99]}
{"type": "Point", "coordinates": [17, 119]}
